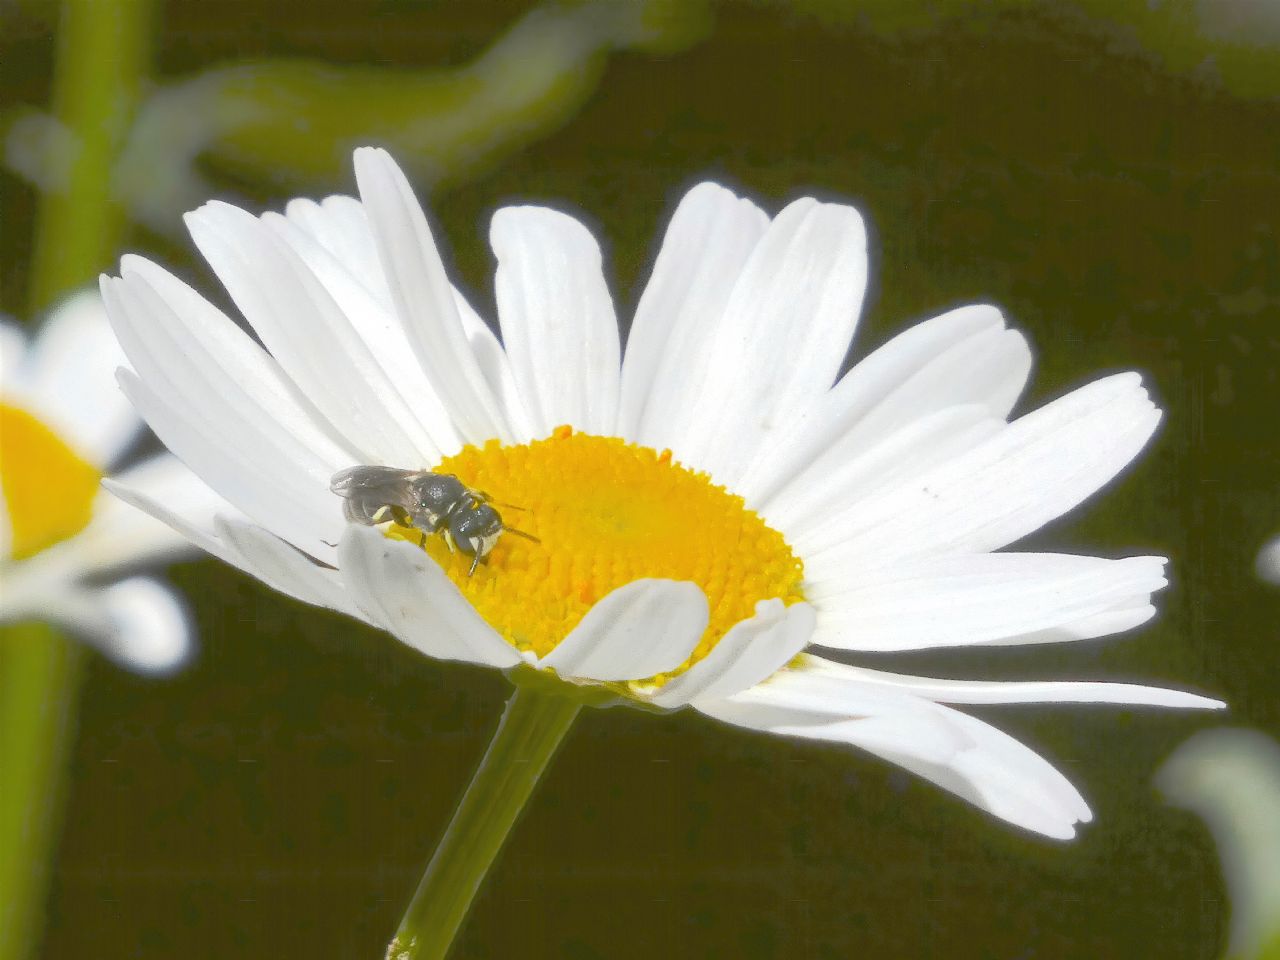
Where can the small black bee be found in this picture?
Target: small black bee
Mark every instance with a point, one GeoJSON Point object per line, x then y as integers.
{"type": "Point", "coordinates": [429, 502]}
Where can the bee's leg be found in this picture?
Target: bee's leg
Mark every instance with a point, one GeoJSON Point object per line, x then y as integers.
{"type": "Point", "coordinates": [448, 541]}
{"type": "Point", "coordinates": [422, 539]}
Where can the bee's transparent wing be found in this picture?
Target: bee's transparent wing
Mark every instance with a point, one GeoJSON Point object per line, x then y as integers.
{"type": "Point", "coordinates": [372, 494]}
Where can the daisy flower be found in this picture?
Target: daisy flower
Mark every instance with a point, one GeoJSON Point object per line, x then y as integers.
{"type": "Point", "coordinates": [65, 544]}
{"type": "Point", "coordinates": [714, 512]}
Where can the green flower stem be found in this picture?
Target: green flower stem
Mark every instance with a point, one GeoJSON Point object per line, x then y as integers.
{"type": "Point", "coordinates": [39, 672]}
{"type": "Point", "coordinates": [532, 726]}
{"type": "Point", "coordinates": [103, 52]}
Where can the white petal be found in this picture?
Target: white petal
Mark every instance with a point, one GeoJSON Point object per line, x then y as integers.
{"type": "Point", "coordinates": [350, 255]}
{"type": "Point", "coordinates": [1011, 691]}
{"type": "Point", "coordinates": [705, 248]}
{"type": "Point", "coordinates": [424, 299]}
{"type": "Point", "coordinates": [222, 405]}
{"type": "Point", "coordinates": [989, 368]}
{"type": "Point", "coordinates": [1103, 624]}
{"type": "Point", "coordinates": [264, 483]}
{"type": "Point", "coordinates": [139, 623]}
{"type": "Point", "coordinates": [194, 525]}
{"type": "Point", "coordinates": [340, 226]}
{"type": "Point", "coordinates": [840, 477]}
{"type": "Point", "coordinates": [750, 652]}
{"type": "Point", "coordinates": [986, 371]}
{"type": "Point", "coordinates": [70, 380]}
{"type": "Point", "coordinates": [404, 591]}
{"type": "Point", "coordinates": [815, 696]}
{"type": "Point", "coordinates": [858, 393]}
{"type": "Point", "coordinates": [173, 335]}
{"type": "Point", "coordinates": [236, 541]}
{"type": "Point", "coordinates": [954, 751]}
{"type": "Point", "coordinates": [644, 628]}
{"type": "Point", "coordinates": [783, 336]}
{"type": "Point", "coordinates": [1034, 470]}
{"type": "Point", "coordinates": [969, 599]}
{"type": "Point", "coordinates": [166, 478]}
{"type": "Point", "coordinates": [386, 359]}
{"type": "Point", "coordinates": [557, 319]}
{"type": "Point", "coordinates": [309, 335]}
{"type": "Point", "coordinates": [282, 567]}
{"type": "Point", "coordinates": [495, 367]}
{"type": "Point", "coordinates": [1002, 776]}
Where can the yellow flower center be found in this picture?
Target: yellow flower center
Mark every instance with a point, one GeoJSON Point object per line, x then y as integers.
{"type": "Point", "coordinates": [48, 488]}
{"type": "Point", "coordinates": [606, 513]}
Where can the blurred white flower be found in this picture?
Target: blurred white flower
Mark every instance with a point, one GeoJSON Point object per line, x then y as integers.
{"type": "Point", "coordinates": [709, 506]}
{"type": "Point", "coordinates": [1231, 779]}
{"type": "Point", "coordinates": [65, 544]}
{"type": "Point", "coordinates": [279, 120]}
{"type": "Point", "coordinates": [1268, 563]}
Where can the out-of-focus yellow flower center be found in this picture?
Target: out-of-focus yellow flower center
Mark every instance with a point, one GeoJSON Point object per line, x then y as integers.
{"type": "Point", "coordinates": [606, 513]}
{"type": "Point", "coordinates": [48, 488]}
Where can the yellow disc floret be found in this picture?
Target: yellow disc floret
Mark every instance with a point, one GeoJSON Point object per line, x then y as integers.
{"type": "Point", "coordinates": [605, 513]}
{"type": "Point", "coordinates": [48, 488]}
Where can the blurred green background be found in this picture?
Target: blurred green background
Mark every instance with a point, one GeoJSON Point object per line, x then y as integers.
{"type": "Point", "coordinates": [1109, 174]}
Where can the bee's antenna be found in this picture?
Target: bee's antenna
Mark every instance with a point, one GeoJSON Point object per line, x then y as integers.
{"type": "Point", "coordinates": [497, 503]}
{"type": "Point", "coordinates": [475, 562]}
{"type": "Point", "coordinates": [520, 533]}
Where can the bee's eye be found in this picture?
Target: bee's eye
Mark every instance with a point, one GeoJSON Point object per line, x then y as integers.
{"type": "Point", "coordinates": [468, 525]}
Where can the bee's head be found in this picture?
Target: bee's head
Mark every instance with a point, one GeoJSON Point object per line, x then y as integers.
{"type": "Point", "coordinates": [475, 531]}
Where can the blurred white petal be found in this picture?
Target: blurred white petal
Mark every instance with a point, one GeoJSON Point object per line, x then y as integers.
{"type": "Point", "coordinates": [1231, 779]}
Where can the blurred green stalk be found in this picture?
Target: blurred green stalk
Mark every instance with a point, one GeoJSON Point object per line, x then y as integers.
{"type": "Point", "coordinates": [102, 56]}
{"type": "Point", "coordinates": [39, 671]}
{"type": "Point", "coordinates": [533, 724]}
